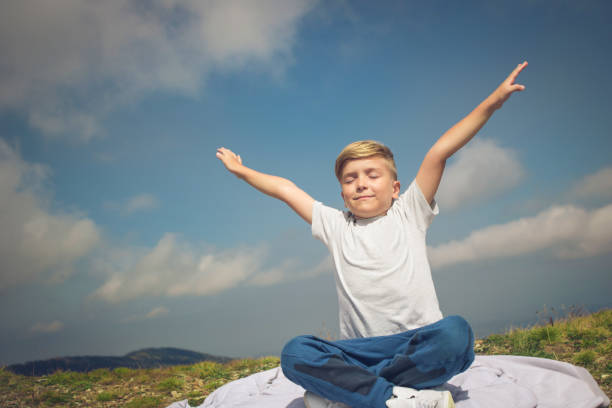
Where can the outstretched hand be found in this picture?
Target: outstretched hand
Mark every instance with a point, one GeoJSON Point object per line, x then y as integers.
{"type": "Point", "coordinates": [508, 87]}
{"type": "Point", "coordinates": [231, 160]}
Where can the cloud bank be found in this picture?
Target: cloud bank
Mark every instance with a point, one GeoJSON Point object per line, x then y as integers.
{"type": "Point", "coordinates": [36, 243]}
{"type": "Point", "coordinates": [175, 267]}
{"type": "Point", "coordinates": [68, 63]}
{"type": "Point", "coordinates": [569, 231]}
{"type": "Point", "coordinates": [41, 244]}
{"type": "Point", "coordinates": [481, 170]}
{"type": "Point", "coordinates": [598, 184]}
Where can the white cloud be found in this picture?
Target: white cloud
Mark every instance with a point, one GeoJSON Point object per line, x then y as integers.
{"type": "Point", "coordinates": [273, 276]}
{"type": "Point", "coordinates": [133, 204]}
{"type": "Point", "coordinates": [152, 314]}
{"type": "Point", "coordinates": [290, 270]}
{"type": "Point", "coordinates": [268, 278]}
{"type": "Point", "coordinates": [140, 202]}
{"type": "Point", "coordinates": [67, 63]}
{"type": "Point", "coordinates": [571, 232]}
{"type": "Point", "coordinates": [175, 267]}
{"type": "Point", "coordinates": [156, 312]}
{"type": "Point", "coordinates": [480, 170]}
{"type": "Point", "coordinates": [325, 266]}
{"type": "Point", "coordinates": [51, 327]}
{"type": "Point", "coordinates": [36, 243]}
{"type": "Point", "coordinates": [598, 184]}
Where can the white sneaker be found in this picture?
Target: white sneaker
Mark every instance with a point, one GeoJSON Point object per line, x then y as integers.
{"type": "Point", "coordinates": [404, 397]}
{"type": "Point", "coordinates": [312, 400]}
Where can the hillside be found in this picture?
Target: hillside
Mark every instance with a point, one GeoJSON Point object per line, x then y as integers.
{"type": "Point", "coordinates": [144, 358]}
{"type": "Point", "coordinates": [582, 340]}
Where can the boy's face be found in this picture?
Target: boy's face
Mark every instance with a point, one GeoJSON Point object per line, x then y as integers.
{"type": "Point", "coordinates": [368, 188]}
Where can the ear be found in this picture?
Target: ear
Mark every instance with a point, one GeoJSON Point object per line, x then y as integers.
{"type": "Point", "coordinates": [396, 189]}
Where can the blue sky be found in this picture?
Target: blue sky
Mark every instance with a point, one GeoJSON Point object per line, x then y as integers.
{"type": "Point", "coordinates": [119, 229]}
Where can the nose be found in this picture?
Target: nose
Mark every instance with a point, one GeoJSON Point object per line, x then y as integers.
{"type": "Point", "coordinates": [361, 183]}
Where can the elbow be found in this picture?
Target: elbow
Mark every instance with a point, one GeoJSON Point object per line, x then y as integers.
{"type": "Point", "coordinates": [285, 190]}
{"type": "Point", "coordinates": [438, 155]}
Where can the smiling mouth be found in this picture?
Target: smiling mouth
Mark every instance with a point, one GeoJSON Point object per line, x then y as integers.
{"type": "Point", "coordinates": [362, 197]}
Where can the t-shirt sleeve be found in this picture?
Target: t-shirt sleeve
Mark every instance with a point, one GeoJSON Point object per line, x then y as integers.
{"type": "Point", "coordinates": [416, 208]}
{"type": "Point", "coordinates": [325, 221]}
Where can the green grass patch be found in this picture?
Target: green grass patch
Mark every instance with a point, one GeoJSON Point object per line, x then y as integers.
{"type": "Point", "coordinates": [105, 396]}
{"type": "Point", "coordinates": [194, 402]}
{"type": "Point", "coordinates": [171, 384]}
{"type": "Point", "coordinates": [144, 402]}
{"type": "Point", "coordinates": [585, 358]}
{"type": "Point", "coordinates": [101, 376]}
{"type": "Point", "coordinates": [209, 369]}
{"type": "Point", "coordinates": [81, 385]}
{"type": "Point", "coordinates": [55, 397]}
{"type": "Point", "coordinates": [5, 377]}
{"type": "Point", "coordinates": [195, 398]}
{"type": "Point", "coordinates": [547, 335]}
{"type": "Point", "coordinates": [124, 372]}
{"type": "Point", "coordinates": [65, 378]}
{"type": "Point", "coordinates": [194, 394]}
{"type": "Point", "coordinates": [213, 385]}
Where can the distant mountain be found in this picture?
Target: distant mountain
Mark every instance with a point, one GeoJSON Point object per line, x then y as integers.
{"type": "Point", "coordinates": [145, 358]}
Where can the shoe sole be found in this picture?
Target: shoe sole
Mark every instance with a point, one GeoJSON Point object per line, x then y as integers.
{"type": "Point", "coordinates": [313, 401]}
{"type": "Point", "coordinates": [306, 402]}
{"type": "Point", "coordinates": [448, 400]}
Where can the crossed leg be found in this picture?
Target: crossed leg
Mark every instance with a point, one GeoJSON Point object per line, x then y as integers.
{"type": "Point", "coordinates": [362, 372]}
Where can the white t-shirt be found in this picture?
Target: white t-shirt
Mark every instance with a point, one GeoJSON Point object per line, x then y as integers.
{"type": "Point", "coordinates": [383, 279]}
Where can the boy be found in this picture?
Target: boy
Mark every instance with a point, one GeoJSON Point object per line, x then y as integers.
{"type": "Point", "coordinates": [396, 347]}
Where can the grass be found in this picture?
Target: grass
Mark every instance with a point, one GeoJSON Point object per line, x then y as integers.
{"type": "Point", "coordinates": [106, 396]}
{"type": "Point", "coordinates": [584, 340]}
{"type": "Point", "coordinates": [125, 387]}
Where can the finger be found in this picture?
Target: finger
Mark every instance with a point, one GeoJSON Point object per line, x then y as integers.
{"type": "Point", "coordinates": [520, 66]}
{"type": "Point", "coordinates": [517, 71]}
{"type": "Point", "coordinates": [239, 159]}
{"type": "Point", "coordinates": [228, 153]}
{"type": "Point", "coordinates": [515, 88]}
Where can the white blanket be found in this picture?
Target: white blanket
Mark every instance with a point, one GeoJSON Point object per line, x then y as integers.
{"type": "Point", "coordinates": [490, 382]}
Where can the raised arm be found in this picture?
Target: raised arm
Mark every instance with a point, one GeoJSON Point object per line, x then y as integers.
{"type": "Point", "coordinates": [273, 186]}
{"type": "Point", "coordinates": [429, 175]}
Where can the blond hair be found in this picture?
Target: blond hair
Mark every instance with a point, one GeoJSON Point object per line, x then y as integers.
{"type": "Point", "coordinates": [364, 149]}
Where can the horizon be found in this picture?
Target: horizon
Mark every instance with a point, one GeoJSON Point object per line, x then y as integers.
{"type": "Point", "coordinates": [528, 325]}
{"type": "Point", "coordinates": [121, 230]}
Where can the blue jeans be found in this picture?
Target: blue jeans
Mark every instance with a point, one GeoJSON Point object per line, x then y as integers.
{"type": "Point", "coordinates": [361, 372]}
